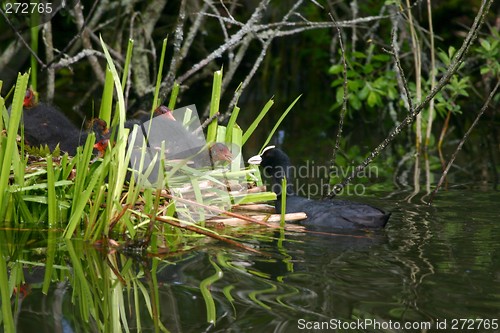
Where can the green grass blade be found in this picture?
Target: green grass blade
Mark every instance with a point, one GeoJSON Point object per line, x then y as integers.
{"type": "Point", "coordinates": [7, 318]}
{"type": "Point", "coordinates": [205, 287]}
{"type": "Point", "coordinates": [51, 193]}
{"type": "Point", "coordinates": [257, 120]}
{"type": "Point", "coordinates": [81, 202]}
{"type": "Point", "coordinates": [159, 76]}
{"type": "Point", "coordinates": [107, 97]}
{"type": "Point", "coordinates": [173, 96]}
{"type": "Point", "coordinates": [128, 58]}
{"type": "Point", "coordinates": [231, 124]}
{"type": "Point", "coordinates": [82, 290]}
{"type": "Point", "coordinates": [11, 144]}
{"type": "Point", "coordinates": [49, 263]}
{"type": "Point", "coordinates": [283, 202]}
{"type": "Point", "coordinates": [236, 144]}
{"type": "Point", "coordinates": [121, 140]}
{"type": "Point", "coordinates": [278, 123]}
{"type": "Point", "coordinates": [214, 105]}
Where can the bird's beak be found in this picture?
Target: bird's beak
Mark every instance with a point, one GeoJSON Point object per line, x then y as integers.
{"type": "Point", "coordinates": [164, 111]}
{"type": "Point", "coordinates": [170, 115]}
{"type": "Point", "coordinates": [227, 156]}
{"type": "Point", "coordinates": [257, 159]}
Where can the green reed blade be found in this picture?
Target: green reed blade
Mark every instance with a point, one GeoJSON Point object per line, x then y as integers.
{"type": "Point", "coordinates": [51, 193]}
{"type": "Point", "coordinates": [231, 124]}
{"type": "Point", "coordinates": [11, 144]}
{"type": "Point", "coordinates": [82, 289]}
{"type": "Point", "coordinates": [119, 149]}
{"type": "Point", "coordinates": [7, 318]}
{"type": "Point", "coordinates": [278, 123]}
{"type": "Point", "coordinates": [159, 76]}
{"type": "Point", "coordinates": [214, 105]}
{"type": "Point", "coordinates": [49, 262]}
{"type": "Point", "coordinates": [257, 121]}
{"type": "Point", "coordinates": [283, 202]}
{"type": "Point", "coordinates": [205, 287]}
{"type": "Point", "coordinates": [107, 98]}
{"type": "Point", "coordinates": [128, 58]}
{"type": "Point", "coordinates": [173, 96]}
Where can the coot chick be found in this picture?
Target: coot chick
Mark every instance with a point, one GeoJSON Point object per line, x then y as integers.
{"type": "Point", "coordinates": [321, 214]}
{"type": "Point", "coordinates": [44, 125]}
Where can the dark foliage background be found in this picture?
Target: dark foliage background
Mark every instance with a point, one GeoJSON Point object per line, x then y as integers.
{"type": "Point", "coordinates": [277, 48]}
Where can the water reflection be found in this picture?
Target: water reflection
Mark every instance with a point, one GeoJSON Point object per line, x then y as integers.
{"type": "Point", "coordinates": [430, 264]}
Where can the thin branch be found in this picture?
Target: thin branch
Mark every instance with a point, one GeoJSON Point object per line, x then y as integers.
{"type": "Point", "coordinates": [399, 70]}
{"type": "Point", "coordinates": [212, 208]}
{"type": "Point", "coordinates": [81, 55]}
{"type": "Point", "coordinates": [80, 22]}
{"type": "Point", "coordinates": [49, 56]}
{"type": "Point", "coordinates": [77, 36]}
{"type": "Point", "coordinates": [178, 39]}
{"type": "Point", "coordinates": [262, 54]}
{"type": "Point", "coordinates": [234, 40]}
{"type": "Point", "coordinates": [219, 18]}
{"type": "Point", "coordinates": [201, 231]}
{"type": "Point", "coordinates": [408, 120]}
{"type": "Point", "coordinates": [195, 27]}
{"type": "Point", "coordinates": [344, 100]}
{"type": "Point", "coordinates": [236, 62]}
{"type": "Point", "coordinates": [33, 53]}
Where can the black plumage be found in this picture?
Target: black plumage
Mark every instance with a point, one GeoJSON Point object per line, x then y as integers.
{"type": "Point", "coordinates": [321, 214]}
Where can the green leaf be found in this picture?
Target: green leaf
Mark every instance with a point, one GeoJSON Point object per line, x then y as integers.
{"type": "Point", "coordinates": [337, 82]}
{"type": "Point", "coordinates": [381, 57]}
{"type": "Point", "coordinates": [451, 52]}
{"type": "Point", "coordinates": [355, 102]}
{"type": "Point", "coordinates": [359, 55]}
{"type": "Point", "coordinates": [485, 44]}
{"type": "Point", "coordinates": [392, 93]}
{"type": "Point", "coordinates": [373, 99]}
{"type": "Point", "coordinates": [367, 69]}
{"type": "Point", "coordinates": [339, 95]}
{"type": "Point", "coordinates": [355, 84]}
{"type": "Point", "coordinates": [485, 70]}
{"type": "Point", "coordinates": [364, 92]}
{"type": "Point", "coordinates": [335, 69]}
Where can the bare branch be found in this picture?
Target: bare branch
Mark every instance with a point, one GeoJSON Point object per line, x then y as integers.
{"type": "Point", "coordinates": [80, 22]}
{"type": "Point", "coordinates": [344, 100]}
{"type": "Point", "coordinates": [33, 53]}
{"type": "Point", "coordinates": [177, 57]}
{"type": "Point", "coordinates": [400, 74]}
{"type": "Point", "coordinates": [81, 55]}
{"type": "Point", "coordinates": [262, 54]}
{"type": "Point", "coordinates": [49, 56]}
{"type": "Point", "coordinates": [234, 40]}
{"type": "Point", "coordinates": [452, 69]}
{"type": "Point", "coordinates": [461, 143]}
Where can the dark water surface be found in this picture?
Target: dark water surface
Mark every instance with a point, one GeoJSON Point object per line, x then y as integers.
{"type": "Point", "coordinates": [432, 265]}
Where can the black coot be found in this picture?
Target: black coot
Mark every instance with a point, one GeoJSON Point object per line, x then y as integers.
{"type": "Point", "coordinates": [321, 214]}
{"type": "Point", "coordinates": [44, 124]}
